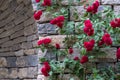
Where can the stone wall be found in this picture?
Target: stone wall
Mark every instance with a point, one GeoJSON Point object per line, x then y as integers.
{"type": "Point", "coordinates": [48, 30]}
{"type": "Point", "coordinates": [18, 36]}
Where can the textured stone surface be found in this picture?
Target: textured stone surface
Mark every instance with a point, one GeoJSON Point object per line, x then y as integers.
{"type": "Point", "coordinates": [3, 62]}
{"type": "Point", "coordinates": [111, 2]}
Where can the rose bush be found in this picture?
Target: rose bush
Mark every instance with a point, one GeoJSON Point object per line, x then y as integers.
{"type": "Point", "coordinates": [96, 29]}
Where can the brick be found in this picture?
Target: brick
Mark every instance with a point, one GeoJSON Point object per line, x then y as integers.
{"type": "Point", "coordinates": [4, 5]}
{"type": "Point", "coordinates": [45, 17]}
{"type": "Point", "coordinates": [16, 47]}
{"type": "Point", "coordinates": [29, 51]}
{"type": "Point", "coordinates": [21, 61]}
{"type": "Point", "coordinates": [1, 30]}
{"type": "Point", "coordinates": [28, 30]}
{"type": "Point", "coordinates": [13, 73]}
{"type": "Point", "coordinates": [18, 27]}
{"type": "Point", "coordinates": [27, 2]}
{"type": "Point", "coordinates": [6, 33]}
{"type": "Point", "coordinates": [34, 43]}
{"type": "Point", "coordinates": [3, 73]}
{"type": "Point", "coordinates": [73, 2]}
{"type": "Point", "coordinates": [19, 7]}
{"type": "Point", "coordinates": [41, 77]}
{"type": "Point", "coordinates": [5, 49]}
{"type": "Point", "coordinates": [110, 55]}
{"type": "Point", "coordinates": [17, 34]}
{"type": "Point", "coordinates": [10, 17]}
{"type": "Point", "coordinates": [46, 29]}
{"type": "Point", "coordinates": [2, 23]}
{"type": "Point", "coordinates": [22, 73]}
{"type": "Point", "coordinates": [117, 10]}
{"type": "Point", "coordinates": [4, 40]}
{"type": "Point", "coordinates": [7, 44]}
{"type": "Point", "coordinates": [29, 21]}
{"type": "Point", "coordinates": [110, 2]}
{"type": "Point", "coordinates": [9, 26]}
{"type": "Point", "coordinates": [19, 53]}
{"type": "Point", "coordinates": [79, 10]}
{"type": "Point", "coordinates": [11, 61]}
{"type": "Point", "coordinates": [4, 54]}
{"type": "Point", "coordinates": [26, 45]}
{"type": "Point", "coordinates": [19, 19]}
{"type": "Point", "coordinates": [3, 62]}
{"type": "Point", "coordinates": [19, 40]}
{"type": "Point", "coordinates": [32, 37]}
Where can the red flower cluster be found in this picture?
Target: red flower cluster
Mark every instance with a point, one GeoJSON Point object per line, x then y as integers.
{"type": "Point", "coordinates": [37, 15]}
{"type": "Point", "coordinates": [44, 41]}
{"type": "Point", "coordinates": [58, 21]}
{"type": "Point", "coordinates": [107, 39]}
{"type": "Point", "coordinates": [118, 53]}
{"type": "Point", "coordinates": [89, 45]}
{"type": "Point", "coordinates": [76, 58]}
{"type": "Point", "coordinates": [57, 46]}
{"type": "Point", "coordinates": [88, 29]}
{"type": "Point", "coordinates": [46, 3]}
{"type": "Point", "coordinates": [70, 50]}
{"type": "Point", "coordinates": [115, 23]}
{"type": "Point", "coordinates": [94, 7]}
{"type": "Point", "coordinates": [84, 59]}
{"type": "Point", "coordinates": [45, 69]}
{"type": "Point", "coordinates": [37, 1]}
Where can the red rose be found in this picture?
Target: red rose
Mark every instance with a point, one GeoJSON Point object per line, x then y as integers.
{"type": "Point", "coordinates": [93, 8]}
{"type": "Point", "coordinates": [37, 15]}
{"type": "Point", "coordinates": [46, 3]}
{"type": "Point", "coordinates": [89, 9]}
{"type": "Point", "coordinates": [40, 42]}
{"type": "Point", "coordinates": [37, 1]}
{"type": "Point", "coordinates": [47, 66]}
{"type": "Point", "coordinates": [84, 59]}
{"type": "Point", "coordinates": [60, 18]}
{"type": "Point", "coordinates": [115, 23]}
{"type": "Point", "coordinates": [89, 45]}
{"type": "Point", "coordinates": [57, 46]}
{"type": "Point", "coordinates": [70, 50]}
{"type": "Point", "coordinates": [118, 53]}
{"type": "Point", "coordinates": [88, 28]}
{"type": "Point", "coordinates": [44, 71]}
{"type": "Point", "coordinates": [107, 39]}
{"type": "Point", "coordinates": [44, 41]}
{"type": "Point", "coordinates": [60, 24]}
{"type": "Point", "coordinates": [76, 58]}
{"type": "Point", "coordinates": [58, 21]}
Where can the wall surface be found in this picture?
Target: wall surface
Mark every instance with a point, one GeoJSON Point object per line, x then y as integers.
{"type": "Point", "coordinates": [18, 36]}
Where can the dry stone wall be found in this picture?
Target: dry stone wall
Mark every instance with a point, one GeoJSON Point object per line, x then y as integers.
{"type": "Point", "coordinates": [47, 30]}
{"type": "Point", "coordinates": [18, 36]}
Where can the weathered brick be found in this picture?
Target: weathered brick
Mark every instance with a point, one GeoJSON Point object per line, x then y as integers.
{"type": "Point", "coordinates": [29, 21]}
{"type": "Point", "coordinates": [46, 29]}
{"type": "Point", "coordinates": [17, 34]}
{"type": "Point", "coordinates": [26, 45]}
{"type": "Point", "coordinates": [32, 37]}
{"type": "Point", "coordinates": [11, 61]}
{"type": "Point", "coordinates": [29, 51]}
{"type": "Point", "coordinates": [9, 26]}
{"type": "Point", "coordinates": [19, 53]}
{"type": "Point", "coordinates": [117, 10]}
{"type": "Point", "coordinates": [7, 44]}
{"type": "Point", "coordinates": [19, 40]}
{"type": "Point", "coordinates": [3, 54]}
{"type": "Point", "coordinates": [4, 40]}
{"type": "Point", "coordinates": [3, 62]}
{"type": "Point", "coordinates": [111, 2]}
{"type": "Point", "coordinates": [20, 19]}
{"type": "Point", "coordinates": [28, 30]}
{"type": "Point", "coordinates": [13, 73]}
{"type": "Point", "coordinates": [20, 6]}
{"type": "Point", "coordinates": [3, 73]}
{"type": "Point", "coordinates": [79, 10]}
{"type": "Point", "coordinates": [1, 30]}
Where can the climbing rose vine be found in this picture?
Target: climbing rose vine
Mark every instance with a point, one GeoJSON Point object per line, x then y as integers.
{"type": "Point", "coordinates": [95, 30]}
